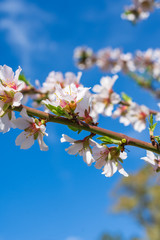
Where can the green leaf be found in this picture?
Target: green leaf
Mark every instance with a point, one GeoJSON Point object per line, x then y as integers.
{"type": "Point", "coordinates": [52, 108]}
{"type": "Point", "coordinates": [154, 126]}
{"type": "Point", "coordinates": [126, 98]}
{"type": "Point", "coordinates": [151, 125]}
{"type": "Point", "coordinates": [59, 111]}
{"type": "Point", "coordinates": [151, 120]}
{"type": "Point", "coordinates": [127, 12]}
{"type": "Point", "coordinates": [23, 79]}
{"type": "Point", "coordinates": [108, 140]}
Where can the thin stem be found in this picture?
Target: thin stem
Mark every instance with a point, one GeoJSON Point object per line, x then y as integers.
{"type": "Point", "coordinates": [92, 129]}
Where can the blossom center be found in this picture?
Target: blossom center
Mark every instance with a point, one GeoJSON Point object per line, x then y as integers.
{"type": "Point", "coordinates": [10, 85]}
{"type": "Point", "coordinates": [68, 106]}
{"type": "Point", "coordinates": [32, 129]}
{"type": "Point", "coordinates": [142, 116]}
{"type": "Point", "coordinates": [124, 110]}
{"type": "Point", "coordinates": [6, 98]}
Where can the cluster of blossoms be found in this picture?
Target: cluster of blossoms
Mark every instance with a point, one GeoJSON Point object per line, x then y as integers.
{"type": "Point", "coordinates": [105, 98]}
{"type": "Point", "coordinates": [139, 10]}
{"type": "Point", "coordinates": [132, 114]}
{"type": "Point", "coordinates": [114, 61]}
{"type": "Point", "coordinates": [10, 98]}
{"type": "Point", "coordinates": [47, 90]}
{"type": "Point", "coordinates": [109, 159]}
{"type": "Point", "coordinates": [70, 99]}
{"type": "Point", "coordinates": [106, 158]}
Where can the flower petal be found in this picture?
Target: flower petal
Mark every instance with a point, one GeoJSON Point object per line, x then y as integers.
{"type": "Point", "coordinates": [66, 138]}
{"type": "Point", "coordinates": [43, 146]}
{"type": "Point", "coordinates": [75, 148]}
{"type": "Point", "coordinates": [21, 123]}
{"type": "Point", "coordinates": [87, 157]}
{"type": "Point", "coordinates": [21, 138]}
{"type": "Point", "coordinates": [121, 170]}
{"type": "Point", "coordinates": [28, 142]}
{"type": "Point", "coordinates": [17, 99]}
{"type": "Point", "coordinates": [109, 169]}
{"type": "Point", "coordinates": [24, 114]}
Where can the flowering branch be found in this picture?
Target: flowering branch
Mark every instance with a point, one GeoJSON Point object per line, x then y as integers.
{"type": "Point", "coordinates": [74, 105]}
{"type": "Point", "coordinates": [139, 10]}
{"type": "Point", "coordinates": [142, 67]}
{"type": "Point", "coordinates": [93, 129]}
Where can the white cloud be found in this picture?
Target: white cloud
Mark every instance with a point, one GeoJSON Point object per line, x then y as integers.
{"type": "Point", "coordinates": [24, 26]}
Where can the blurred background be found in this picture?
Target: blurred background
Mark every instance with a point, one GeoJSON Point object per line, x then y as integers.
{"type": "Point", "coordinates": [52, 195]}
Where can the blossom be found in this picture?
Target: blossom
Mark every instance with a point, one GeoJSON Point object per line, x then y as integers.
{"type": "Point", "coordinates": [137, 116]}
{"type": "Point", "coordinates": [84, 109]}
{"type": "Point", "coordinates": [6, 122]}
{"type": "Point", "coordinates": [55, 78]}
{"type": "Point", "coordinates": [8, 97]}
{"type": "Point", "coordinates": [153, 160]}
{"type": "Point", "coordinates": [67, 100]}
{"type": "Point", "coordinates": [33, 129]}
{"type": "Point", "coordinates": [82, 147]}
{"type": "Point", "coordinates": [54, 81]}
{"type": "Point", "coordinates": [139, 10]}
{"type": "Point", "coordinates": [84, 57]}
{"type": "Point", "coordinates": [127, 62]}
{"type": "Point", "coordinates": [72, 78]}
{"type": "Point", "coordinates": [108, 60]}
{"type": "Point", "coordinates": [132, 14]}
{"type": "Point", "coordinates": [122, 112]}
{"type": "Point", "coordinates": [109, 158]}
{"type": "Point", "coordinates": [9, 89]}
{"type": "Point", "coordinates": [105, 98]}
{"type": "Point", "coordinates": [11, 80]}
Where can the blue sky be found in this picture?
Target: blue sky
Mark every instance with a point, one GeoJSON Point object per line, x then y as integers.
{"type": "Point", "coordinates": [52, 195]}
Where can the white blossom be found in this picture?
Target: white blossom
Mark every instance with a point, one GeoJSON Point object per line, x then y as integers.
{"type": "Point", "coordinates": [6, 122]}
{"type": "Point", "coordinates": [9, 89]}
{"type": "Point", "coordinates": [81, 147]}
{"type": "Point", "coordinates": [108, 59]}
{"type": "Point", "coordinates": [137, 116]}
{"type": "Point", "coordinates": [122, 112]}
{"type": "Point", "coordinates": [8, 97]}
{"type": "Point", "coordinates": [11, 80]}
{"type": "Point", "coordinates": [55, 78]}
{"type": "Point", "coordinates": [84, 57]}
{"type": "Point", "coordinates": [152, 159]}
{"type": "Point", "coordinates": [105, 98]}
{"type": "Point", "coordinates": [33, 129]}
{"type": "Point", "coordinates": [109, 158]}
{"type": "Point", "coordinates": [69, 99]}
{"type": "Point", "coordinates": [139, 10]}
